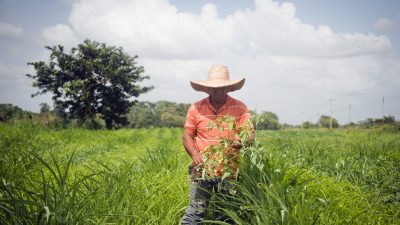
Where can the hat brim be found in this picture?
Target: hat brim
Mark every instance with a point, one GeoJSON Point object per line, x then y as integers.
{"type": "Point", "coordinates": [208, 86]}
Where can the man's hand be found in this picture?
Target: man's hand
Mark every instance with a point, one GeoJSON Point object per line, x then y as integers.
{"type": "Point", "coordinates": [237, 145]}
{"type": "Point", "coordinates": [197, 158]}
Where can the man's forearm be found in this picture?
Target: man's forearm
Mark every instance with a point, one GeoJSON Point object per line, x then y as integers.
{"type": "Point", "coordinates": [190, 147]}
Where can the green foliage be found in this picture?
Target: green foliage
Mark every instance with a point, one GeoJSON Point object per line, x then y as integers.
{"type": "Point", "coordinates": [308, 124]}
{"type": "Point", "coordinates": [93, 79]}
{"type": "Point", "coordinates": [224, 157]}
{"type": "Point", "coordinates": [326, 121]}
{"type": "Point", "coordinates": [47, 117]}
{"type": "Point", "coordinates": [139, 176]}
{"type": "Point", "coordinates": [357, 171]}
{"type": "Point", "coordinates": [159, 114]}
{"type": "Point", "coordinates": [44, 108]}
{"type": "Point", "coordinates": [171, 114]}
{"type": "Point", "coordinates": [370, 122]}
{"type": "Point", "coordinates": [270, 192]}
{"type": "Point", "coordinates": [9, 112]}
{"type": "Point", "coordinates": [268, 121]}
{"type": "Point", "coordinates": [79, 176]}
{"type": "Point", "coordinates": [141, 114]}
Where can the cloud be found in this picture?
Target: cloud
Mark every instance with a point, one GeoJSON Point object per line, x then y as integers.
{"type": "Point", "coordinates": [290, 66]}
{"type": "Point", "coordinates": [156, 28]}
{"type": "Point", "coordinates": [60, 34]}
{"type": "Point", "coordinates": [383, 24]}
{"type": "Point", "coordinates": [8, 30]}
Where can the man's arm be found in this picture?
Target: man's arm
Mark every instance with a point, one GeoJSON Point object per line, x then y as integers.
{"type": "Point", "coordinates": [190, 147]}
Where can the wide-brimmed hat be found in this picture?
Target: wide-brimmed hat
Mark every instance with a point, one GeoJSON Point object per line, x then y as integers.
{"type": "Point", "coordinates": [218, 77]}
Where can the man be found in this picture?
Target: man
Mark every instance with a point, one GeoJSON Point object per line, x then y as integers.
{"type": "Point", "coordinates": [198, 135]}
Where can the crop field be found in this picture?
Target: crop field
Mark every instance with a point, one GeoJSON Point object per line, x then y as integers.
{"type": "Point", "coordinates": [140, 176]}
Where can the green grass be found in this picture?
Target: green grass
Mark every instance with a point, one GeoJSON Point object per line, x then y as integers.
{"type": "Point", "coordinates": [139, 176]}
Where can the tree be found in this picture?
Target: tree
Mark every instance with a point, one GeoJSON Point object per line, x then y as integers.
{"type": "Point", "coordinates": [171, 114]}
{"type": "Point", "coordinates": [308, 124]}
{"type": "Point", "coordinates": [10, 112]}
{"type": "Point", "coordinates": [370, 122]}
{"type": "Point", "coordinates": [159, 114]}
{"type": "Point", "coordinates": [142, 115]}
{"type": "Point", "coordinates": [325, 121]}
{"type": "Point", "coordinates": [92, 79]}
{"type": "Point", "coordinates": [44, 108]}
{"type": "Point", "coordinates": [385, 120]}
{"type": "Point", "coordinates": [269, 121]}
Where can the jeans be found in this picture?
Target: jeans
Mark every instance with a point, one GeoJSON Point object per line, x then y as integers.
{"type": "Point", "coordinates": [200, 194]}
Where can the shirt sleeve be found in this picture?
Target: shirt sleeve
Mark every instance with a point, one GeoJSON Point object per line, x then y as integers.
{"type": "Point", "coordinates": [244, 118]}
{"type": "Point", "coordinates": [190, 122]}
{"type": "Point", "coordinates": [244, 115]}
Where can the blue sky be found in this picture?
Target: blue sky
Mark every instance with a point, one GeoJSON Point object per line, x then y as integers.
{"type": "Point", "coordinates": [295, 56]}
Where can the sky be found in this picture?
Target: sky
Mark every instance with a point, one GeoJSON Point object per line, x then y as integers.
{"type": "Point", "coordinates": [301, 58]}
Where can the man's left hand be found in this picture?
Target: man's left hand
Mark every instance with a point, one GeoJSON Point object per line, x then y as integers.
{"type": "Point", "coordinates": [237, 145]}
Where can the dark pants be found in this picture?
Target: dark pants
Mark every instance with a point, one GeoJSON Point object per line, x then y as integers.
{"type": "Point", "coordinates": [200, 194]}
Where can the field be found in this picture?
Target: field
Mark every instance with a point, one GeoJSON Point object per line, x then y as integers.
{"type": "Point", "coordinates": [139, 176]}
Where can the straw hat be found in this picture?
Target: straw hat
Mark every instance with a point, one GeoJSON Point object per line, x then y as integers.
{"type": "Point", "coordinates": [218, 77]}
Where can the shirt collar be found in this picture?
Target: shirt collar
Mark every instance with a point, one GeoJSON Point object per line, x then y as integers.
{"type": "Point", "coordinates": [227, 102]}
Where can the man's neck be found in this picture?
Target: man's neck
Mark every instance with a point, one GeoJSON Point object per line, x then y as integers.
{"type": "Point", "coordinates": [218, 102]}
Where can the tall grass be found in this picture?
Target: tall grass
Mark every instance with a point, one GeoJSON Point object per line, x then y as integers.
{"type": "Point", "coordinates": [355, 172]}
{"type": "Point", "coordinates": [77, 176]}
{"type": "Point", "coordinates": [270, 194]}
{"type": "Point", "coordinates": [120, 177]}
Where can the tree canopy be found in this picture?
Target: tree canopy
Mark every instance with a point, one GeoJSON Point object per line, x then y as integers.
{"type": "Point", "coordinates": [268, 121]}
{"type": "Point", "coordinates": [159, 114]}
{"type": "Point", "coordinates": [325, 121]}
{"type": "Point", "coordinates": [93, 79]}
{"type": "Point", "coordinates": [9, 112]}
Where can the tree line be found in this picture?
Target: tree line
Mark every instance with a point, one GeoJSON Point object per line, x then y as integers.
{"type": "Point", "coordinates": [165, 114]}
{"type": "Point", "coordinates": [140, 115]}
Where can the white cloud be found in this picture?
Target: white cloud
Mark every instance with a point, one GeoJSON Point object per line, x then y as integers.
{"type": "Point", "coordinates": [383, 24]}
{"type": "Point", "coordinates": [8, 30]}
{"type": "Point", "coordinates": [156, 28]}
{"type": "Point", "coordinates": [290, 66]}
{"type": "Point", "coordinates": [60, 34]}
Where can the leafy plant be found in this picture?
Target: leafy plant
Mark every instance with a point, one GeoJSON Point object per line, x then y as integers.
{"type": "Point", "coordinates": [222, 160]}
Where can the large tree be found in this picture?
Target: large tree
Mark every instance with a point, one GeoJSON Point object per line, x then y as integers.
{"type": "Point", "coordinates": [9, 112]}
{"type": "Point", "coordinates": [269, 121]}
{"type": "Point", "coordinates": [93, 79]}
{"type": "Point", "coordinates": [159, 114]}
{"type": "Point", "coordinates": [325, 121]}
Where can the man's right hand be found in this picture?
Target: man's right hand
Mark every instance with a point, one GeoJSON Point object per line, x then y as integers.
{"type": "Point", "coordinates": [197, 158]}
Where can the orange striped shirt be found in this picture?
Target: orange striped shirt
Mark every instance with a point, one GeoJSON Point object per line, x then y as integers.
{"type": "Point", "coordinates": [202, 112]}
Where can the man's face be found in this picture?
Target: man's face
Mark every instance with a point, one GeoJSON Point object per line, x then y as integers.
{"type": "Point", "coordinates": [218, 93]}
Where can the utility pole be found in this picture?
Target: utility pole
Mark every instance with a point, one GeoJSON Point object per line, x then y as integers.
{"type": "Point", "coordinates": [383, 107]}
{"type": "Point", "coordinates": [350, 114]}
{"type": "Point", "coordinates": [302, 120]}
{"type": "Point", "coordinates": [330, 101]}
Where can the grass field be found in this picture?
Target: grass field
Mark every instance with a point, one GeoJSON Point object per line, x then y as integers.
{"type": "Point", "coordinates": [139, 176]}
